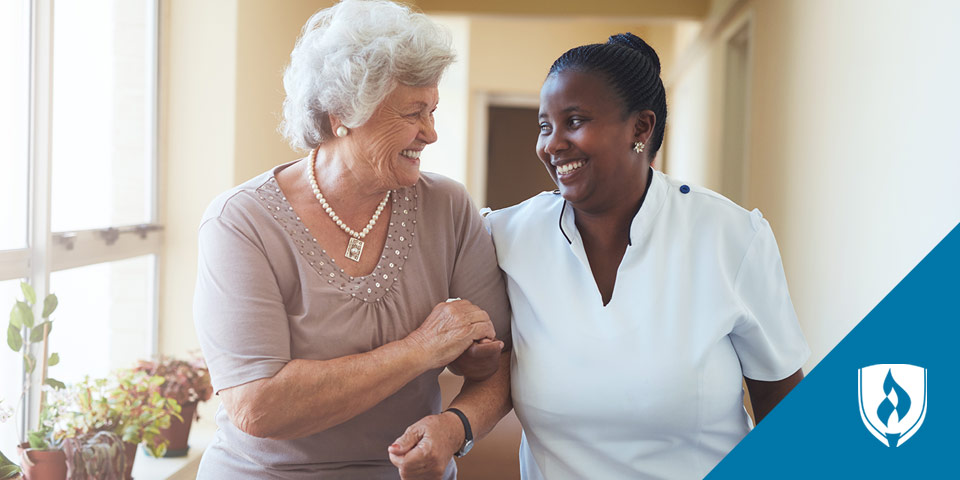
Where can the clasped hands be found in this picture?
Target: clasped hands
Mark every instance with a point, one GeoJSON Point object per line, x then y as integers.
{"type": "Point", "coordinates": [459, 335]}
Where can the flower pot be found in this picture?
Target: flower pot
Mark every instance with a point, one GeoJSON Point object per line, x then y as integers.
{"type": "Point", "coordinates": [130, 452]}
{"type": "Point", "coordinates": [179, 432]}
{"type": "Point", "coordinates": [42, 464]}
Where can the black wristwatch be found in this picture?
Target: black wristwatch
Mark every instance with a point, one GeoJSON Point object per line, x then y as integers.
{"type": "Point", "coordinates": [467, 433]}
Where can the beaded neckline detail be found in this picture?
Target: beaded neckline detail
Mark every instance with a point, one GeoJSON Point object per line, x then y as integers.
{"type": "Point", "coordinates": [403, 204]}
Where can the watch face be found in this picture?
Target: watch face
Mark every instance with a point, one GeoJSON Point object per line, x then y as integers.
{"type": "Point", "coordinates": [466, 448]}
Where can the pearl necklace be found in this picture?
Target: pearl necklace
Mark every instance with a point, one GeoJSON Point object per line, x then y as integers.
{"type": "Point", "coordinates": [355, 246]}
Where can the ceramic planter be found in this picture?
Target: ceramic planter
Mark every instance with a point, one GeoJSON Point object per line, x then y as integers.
{"type": "Point", "coordinates": [42, 464]}
{"type": "Point", "coordinates": [179, 432]}
{"type": "Point", "coordinates": [129, 451]}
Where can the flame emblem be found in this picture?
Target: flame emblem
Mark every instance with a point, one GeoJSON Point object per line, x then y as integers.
{"type": "Point", "coordinates": [889, 412]}
{"type": "Point", "coordinates": [887, 406]}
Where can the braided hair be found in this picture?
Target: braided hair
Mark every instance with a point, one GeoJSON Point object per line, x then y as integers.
{"type": "Point", "coordinates": [633, 70]}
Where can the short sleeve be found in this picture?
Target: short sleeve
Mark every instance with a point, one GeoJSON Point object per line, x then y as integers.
{"type": "Point", "coordinates": [476, 275]}
{"type": "Point", "coordinates": [237, 308]}
{"type": "Point", "coordinates": [767, 336]}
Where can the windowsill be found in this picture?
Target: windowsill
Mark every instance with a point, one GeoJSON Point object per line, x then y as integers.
{"type": "Point", "coordinates": [146, 467]}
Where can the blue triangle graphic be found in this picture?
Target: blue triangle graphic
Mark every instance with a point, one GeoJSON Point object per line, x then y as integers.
{"type": "Point", "coordinates": [816, 431]}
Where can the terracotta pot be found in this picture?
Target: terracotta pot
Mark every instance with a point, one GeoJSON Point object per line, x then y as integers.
{"type": "Point", "coordinates": [42, 464]}
{"type": "Point", "coordinates": [179, 432]}
{"type": "Point", "coordinates": [129, 451]}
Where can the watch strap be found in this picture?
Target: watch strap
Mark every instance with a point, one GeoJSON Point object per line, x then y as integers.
{"type": "Point", "coordinates": [467, 432]}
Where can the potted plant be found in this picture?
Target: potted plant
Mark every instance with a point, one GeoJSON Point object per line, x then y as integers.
{"type": "Point", "coordinates": [8, 469]}
{"type": "Point", "coordinates": [101, 456]}
{"type": "Point", "coordinates": [128, 404]}
{"type": "Point", "coordinates": [40, 457]}
{"type": "Point", "coordinates": [187, 382]}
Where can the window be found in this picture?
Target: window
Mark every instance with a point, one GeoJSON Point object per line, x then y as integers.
{"type": "Point", "coordinates": [78, 180]}
{"type": "Point", "coordinates": [101, 169]}
{"type": "Point", "coordinates": [14, 88]}
{"type": "Point", "coordinates": [107, 305]}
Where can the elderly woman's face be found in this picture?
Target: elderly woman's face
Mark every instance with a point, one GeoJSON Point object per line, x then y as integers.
{"type": "Point", "coordinates": [398, 131]}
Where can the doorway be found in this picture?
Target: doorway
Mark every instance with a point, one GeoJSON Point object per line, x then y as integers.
{"type": "Point", "coordinates": [514, 172]}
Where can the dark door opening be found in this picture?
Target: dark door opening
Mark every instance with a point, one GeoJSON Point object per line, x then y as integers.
{"type": "Point", "coordinates": [514, 173]}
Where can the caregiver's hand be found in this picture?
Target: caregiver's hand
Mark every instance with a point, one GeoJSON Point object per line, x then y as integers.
{"type": "Point", "coordinates": [479, 362]}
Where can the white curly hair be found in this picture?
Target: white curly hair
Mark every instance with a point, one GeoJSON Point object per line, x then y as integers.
{"type": "Point", "coordinates": [349, 57]}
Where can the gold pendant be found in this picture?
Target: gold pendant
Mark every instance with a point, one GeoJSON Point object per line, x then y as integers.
{"type": "Point", "coordinates": [354, 249]}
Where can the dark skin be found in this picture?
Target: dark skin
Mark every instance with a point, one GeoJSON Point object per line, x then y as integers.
{"type": "Point", "coordinates": [766, 395]}
{"type": "Point", "coordinates": [583, 125]}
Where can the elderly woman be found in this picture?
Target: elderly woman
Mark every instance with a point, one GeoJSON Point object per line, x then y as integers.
{"type": "Point", "coordinates": [321, 301]}
{"type": "Point", "coordinates": [662, 297]}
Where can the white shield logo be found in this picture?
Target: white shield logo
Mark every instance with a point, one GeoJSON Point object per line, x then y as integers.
{"type": "Point", "coordinates": [893, 401]}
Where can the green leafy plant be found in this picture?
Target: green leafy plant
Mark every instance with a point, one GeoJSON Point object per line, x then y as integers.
{"type": "Point", "coordinates": [25, 336]}
{"type": "Point", "coordinates": [8, 469]}
{"type": "Point", "coordinates": [143, 410]}
{"type": "Point", "coordinates": [23, 331]}
{"type": "Point", "coordinates": [128, 404]}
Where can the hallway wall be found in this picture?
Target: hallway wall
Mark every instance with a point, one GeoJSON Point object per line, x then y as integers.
{"type": "Point", "coordinates": [852, 116]}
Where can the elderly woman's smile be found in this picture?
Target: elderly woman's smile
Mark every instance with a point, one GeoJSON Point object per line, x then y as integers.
{"type": "Point", "coordinates": [397, 133]}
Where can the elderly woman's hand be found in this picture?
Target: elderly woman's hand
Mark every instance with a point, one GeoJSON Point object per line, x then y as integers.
{"type": "Point", "coordinates": [426, 447]}
{"type": "Point", "coordinates": [451, 329]}
{"type": "Point", "coordinates": [479, 362]}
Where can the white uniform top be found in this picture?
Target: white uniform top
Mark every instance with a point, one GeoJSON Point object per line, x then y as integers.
{"type": "Point", "coordinates": [648, 386]}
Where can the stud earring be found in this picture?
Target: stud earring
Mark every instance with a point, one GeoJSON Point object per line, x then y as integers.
{"type": "Point", "coordinates": [342, 131]}
{"type": "Point", "coordinates": [638, 146]}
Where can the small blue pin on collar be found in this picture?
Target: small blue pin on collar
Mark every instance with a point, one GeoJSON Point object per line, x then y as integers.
{"type": "Point", "coordinates": [684, 189]}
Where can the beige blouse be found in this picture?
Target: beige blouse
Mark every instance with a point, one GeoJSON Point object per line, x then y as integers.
{"type": "Point", "coordinates": [267, 293]}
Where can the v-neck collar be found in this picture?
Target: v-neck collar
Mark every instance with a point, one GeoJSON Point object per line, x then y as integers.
{"type": "Point", "coordinates": [639, 226]}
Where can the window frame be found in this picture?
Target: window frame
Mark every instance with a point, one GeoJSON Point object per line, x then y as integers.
{"type": "Point", "coordinates": [47, 251]}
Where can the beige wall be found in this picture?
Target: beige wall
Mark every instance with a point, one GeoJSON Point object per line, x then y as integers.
{"type": "Point", "coordinates": [513, 55]}
{"type": "Point", "coordinates": [853, 107]}
{"type": "Point", "coordinates": [198, 93]}
{"type": "Point", "coordinates": [197, 110]}
{"type": "Point", "coordinates": [649, 9]}
{"type": "Point", "coordinates": [448, 156]}
{"type": "Point", "coordinates": [267, 34]}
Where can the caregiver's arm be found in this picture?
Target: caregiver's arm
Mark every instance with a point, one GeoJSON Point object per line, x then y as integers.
{"type": "Point", "coordinates": [766, 395]}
